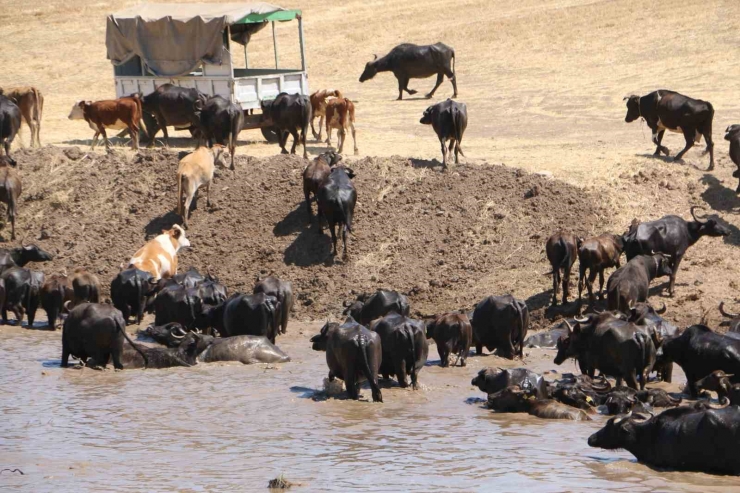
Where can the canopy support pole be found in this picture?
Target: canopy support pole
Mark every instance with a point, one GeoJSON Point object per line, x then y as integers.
{"type": "Point", "coordinates": [274, 43]}
{"type": "Point", "coordinates": [300, 38]}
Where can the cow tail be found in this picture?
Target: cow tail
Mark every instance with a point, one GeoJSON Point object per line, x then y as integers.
{"type": "Point", "coordinates": [351, 111]}
{"type": "Point", "coordinates": [191, 304]}
{"type": "Point", "coordinates": [362, 346]}
{"type": "Point", "coordinates": [347, 219]}
{"type": "Point", "coordinates": [180, 176]}
{"type": "Point", "coordinates": [708, 123]}
{"type": "Point", "coordinates": [411, 356]}
{"type": "Point", "coordinates": [457, 129]}
{"type": "Point", "coordinates": [135, 346]}
{"type": "Point", "coordinates": [567, 260]}
{"type": "Point", "coordinates": [522, 327]}
{"type": "Point", "coordinates": [37, 109]}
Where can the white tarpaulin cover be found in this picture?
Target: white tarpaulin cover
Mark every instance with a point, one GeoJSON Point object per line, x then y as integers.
{"type": "Point", "coordinates": [174, 39]}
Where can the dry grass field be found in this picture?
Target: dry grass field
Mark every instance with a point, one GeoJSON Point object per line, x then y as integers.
{"type": "Point", "coordinates": [543, 81]}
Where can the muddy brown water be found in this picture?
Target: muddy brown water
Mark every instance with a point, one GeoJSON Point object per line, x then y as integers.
{"type": "Point", "coordinates": [231, 427]}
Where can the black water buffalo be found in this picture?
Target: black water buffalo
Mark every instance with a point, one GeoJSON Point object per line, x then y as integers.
{"type": "Point", "coordinates": [55, 292]}
{"type": "Point", "coordinates": [220, 122]}
{"type": "Point", "coordinates": [244, 349]}
{"type": "Point", "coordinates": [170, 335]}
{"type": "Point", "coordinates": [86, 287]}
{"type": "Point", "coordinates": [95, 332]}
{"type": "Point", "coordinates": [719, 381]}
{"type": "Point", "coordinates": [630, 284]}
{"type": "Point", "coordinates": [336, 200]}
{"type": "Point", "coordinates": [353, 353]}
{"type": "Point", "coordinates": [410, 61]}
{"type": "Point", "coordinates": [491, 380]}
{"type": "Point", "coordinates": [648, 319]}
{"type": "Point", "coordinates": [667, 110]}
{"type": "Point", "coordinates": [515, 400]}
{"type": "Point", "coordinates": [137, 356]}
{"type": "Point", "coordinates": [624, 399]}
{"type": "Point", "coordinates": [242, 314]}
{"type": "Point", "coordinates": [171, 106]}
{"type": "Point", "coordinates": [734, 318]}
{"type": "Point", "coordinates": [562, 252]}
{"type": "Point", "coordinates": [670, 235]}
{"type": "Point", "coordinates": [289, 113]}
{"type": "Point", "coordinates": [686, 438]}
{"type": "Point", "coordinates": [212, 292]}
{"type": "Point", "coordinates": [581, 391]}
{"type": "Point", "coordinates": [129, 291]}
{"type": "Point", "coordinates": [596, 255]}
{"type": "Point", "coordinates": [611, 345]}
{"type": "Point", "coordinates": [283, 291]}
{"type": "Point", "coordinates": [733, 135]}
{"type": "Point", "coordinates": [449, 119]}
{"type": "Point", "coordinates": [190, 278]}
{"type": "Point", "coordinates": [453, 334]}
{"type": "Point", "coordinates": [379, 304]}
{"type": "Point", "coordinates": [405, 347]}
{"type": "Point", "coordinates": [699, 351]}
{"type": "Point", "coordinates": [178, 304]}
{"type": "Point", "coordinates": [10, 123]}
{"type": "Point", "coordinates": [22, 293]}
{"type": "Point", "coordinates": [19, 257]}
{"type": "Point", "coordinates": [316, 172]}
{"type": "Point", "coordinates": [501, 322]}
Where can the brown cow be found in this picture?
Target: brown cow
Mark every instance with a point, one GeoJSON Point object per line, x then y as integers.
{"type": "Point", "coordinates": [453, 334]}
{"type": "Point", "coordinates": [118, 114]}
{"type": "Point", "coordinates": [10, 189]}
{"type": "Point", "coordinates": [86, 287]}
{"type": "Point", "coordinates": [195, 170]}
{"type": "Point", "coordinates": [31, 103]}
{"type": "Point", "coordinates": [54, 294]}
{"type": "Point", "coordinates": [597, 254]}
{"type": "Point", "coordinates": [318, 108]}
{"type": "Point", "coordinates": [340, 114]}
{"type": "Point", "coordinates": [315, 173]}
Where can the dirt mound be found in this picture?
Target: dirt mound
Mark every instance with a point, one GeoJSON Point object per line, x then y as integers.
{"type": "Point", "coordinates": [446, 238]}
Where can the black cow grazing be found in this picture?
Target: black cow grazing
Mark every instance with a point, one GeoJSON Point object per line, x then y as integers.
{"type": "Point", "coordinates": [353, 353]}
{"type": "Point", "coordinates": [501, 322]}
{"type": "Point", "coordinates": [490, 381]}
{"type": "Point", "coordinates": [719, 381]}
{"type": "Point", "coordinates": [86, 287]}
{"type": "Point", "coordinates": [316, 173]}
{"type": "Point", "coordinates": [595, 255]}
{"type": "Point", "coordinates": [670, 235]}
{"type": "Point", "coordinates": [684, 438]}
{"type": "Point", "coordinates": [283, 291]}
{"type": "Point", "coordinates": [129, 291]}
{"type": "Point", "coordinates": [453, 334]}
{"type": "Point", "coordinates": [178, 304]}
{"type": "Point", "coordinates": [410, 61]}
{"type": "Point", "coordinates": [667, 110]}
{"type": "Point", "coordinates": [11, 188]}
{"type": "Point", "coordinates": [562, 251]}
{"type": "Point", "coordinates": [55, 292]}
{"type": "Point", "coordinates": [94, 333]}
{"type": "Point", "coordinates": [382, 302]}
{"type": "Point", "coordinates": [734, 318]}
{"type": "Point", "coordinates": [613, 346]}
{"type": "Point", "coordinates": [288, 113]}
{"type": "Point", "coordinates": [171, 106]}
{"type": "Point", "coordinates": [10, 123]}
{"type": "Point", "coordinates": [733, 135]}
{"type": "Point", "coordinates": [449, 120]}
{"type": "Point", "coordinates": [699, 351]}
{"type": "Point", "coordinates": [19, 257]}
{"type": "Point", "coordinates": [22, 293]}
{"type": "Point", "coordinates": [516, 400]}
{"type": "Point", "coordinates": [405, 347]}
{"type": "Point", "coordinates": [336, 204]}
{"type": "Point", "coordinates": [630, 284]}
{"type": "Point", "coordinates": [185, 354]}
{"type": "Point", "coordinates": [220, 122]}
{"type": "Point", "coordinates": [242, 314]}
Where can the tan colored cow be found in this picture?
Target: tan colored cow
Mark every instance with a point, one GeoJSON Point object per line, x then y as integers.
{"type": "Point", "coordinates": [318, 108]}
{"type": "Point", "coordinates": [31, 103]}
{"type": "Point", "coordinates": [340, 114]}
{"type": "Point", "coordinates": [195, 170]}
{"type": "Point", "coordinates": [159, 256]}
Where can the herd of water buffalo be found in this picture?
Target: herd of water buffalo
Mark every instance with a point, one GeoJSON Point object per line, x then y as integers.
{"type": "Point", "coordinates": [197, 320]}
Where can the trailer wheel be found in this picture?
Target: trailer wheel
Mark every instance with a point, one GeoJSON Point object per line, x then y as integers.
{"type": "Point", "coordinates": [270, 134]}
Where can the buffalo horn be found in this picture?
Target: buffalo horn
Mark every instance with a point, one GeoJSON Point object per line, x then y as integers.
{"type": "Point", "coordinates": [662, 310]}
{"type": "Point", "coordinates": [581, 320]}
{"type": "Point", "coordinates": [693, 208]}
{"type": "Point", "coordinates": [570, 328]}
{"type": "Point", "coordinates": [727, 314]}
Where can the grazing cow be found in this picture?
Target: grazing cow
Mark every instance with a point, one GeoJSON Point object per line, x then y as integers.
{"type": "Point", "coordinates": [22, 293]}
{"type": "Point", "coordinates": [562, 251]}
{"type": "Point", "coordinates": [630, 284]}
{"type": "Point", "coordinates": [453, 334]}
{"type": "Point", "coordinates": [316, 173]}
{"type": "Point", "coordinates": [515, 400]}
{"type": "Point", "coordinates": [670, 235]}
{"type": "Point", "coordinates": [410, 61]}
{"type": "Point", "coordinates": [733, 135]}
{"type": "Point", "coordinates": [10, 123]}
{"type": "Point", "coordinates": [220, 123]}
{"type": "Point", "coordinates": [31, 103]}
{"type": "Point", "coordinates": [283, 291]}
{"type": "Point", "coordinates": [336, 200]}
{"type": "Point", "coordinates": [501, 322]}
{"type": "Point", "coordinates": [128, 292]}
{"type": "Point", "coordinates": [171, 106]}
{"type": "Point", "coordinates": [340, 114]}
{"type": "Point", "coordinates": [734, 318]}
{"type": "Point", "coordinates": [55, 292]}
{"type": "Point", "coordinates": [684, 438]}
{"type": "Point", "coordinates": [159, 256]}
{"type": "Point", "coordinates": [118, 114]}
{"type": "Point", "coordinates": [353, 353]}
{"type": "Point", "coordinates": [86, 287]}
{"type": "Point", "coordinates": [449, 120]}
{"type": "Point", "coordinates": [699, 351]}
{"type": "Point", "coordinates": [667, 110]}
{"type": "Point", "coordinates": [288, 113]}
{"type": "Point", "coordinates": [379, 304]}
{"type": "Point", "coordinates": [318, 109]}
{"type": "Point", "coordinates": [11, 188]}
{"type": "Point", "coordinates": [405, 347]}
{"type": "Point", "coordinates": [94, 333]}
{"type": "Point", "coordinates": [19, 257]}
{"type": "Point", "coordinates": [595, 255]}
{"type": "Point", "coordinates": [490, 381]}
{"type": "Point", "coordinates": [613, 346]}
{"type": "Point", "coordinates": [719, 381]}
{"type": "Point", "coordinates": [243, 314]}
{"type": "Point", "coordinates": [195, 170]}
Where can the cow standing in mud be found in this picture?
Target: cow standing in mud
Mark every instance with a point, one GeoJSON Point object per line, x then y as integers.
{"type": "Point", "coordinates": [452, 334]}
{"type": "Point", "coordinates": [562, 252]}
{"type": "Point", "coordinates": [501, 323]}
{"type": "Point", "coordinates": [405, 347]}
{"type": "Point", "coordinates": [596, 255]}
